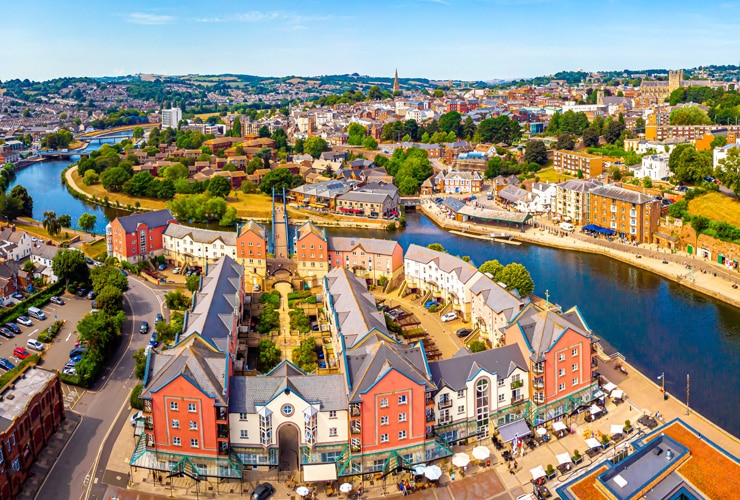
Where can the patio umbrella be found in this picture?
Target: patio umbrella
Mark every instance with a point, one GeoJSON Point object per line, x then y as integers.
{"type": "Point", "coordinates": [609, 387]}
{"type": "Point", "coordinates": [592, 443]}
{"type": "Point", "coordinates": [558, 426]}
{"type": "Point", "coordinates": [302, 491]}
{"type": "Point", "coordinates": [345, 487]}
{"type": "Point", "coordinates": [616, 429]}
{"type": "Point", "coordinates": [419, 469]}
{"type": "Point", "coordinates": [460, 459]}
{"type": "Point", "coordinates": [594, 410]}
{"type": "Point", "coordinates": [563, 458]}
{"type": "Point", "coordinates": [433, 472]}
{"type": "Point", "coordinates": [541, 431]}
{"type": "Point", "coordinates": [537, 472]}
{"type": "Point", "coordinates": [481, 452]}
{"type": "Point", "coordinates": [617, 394]}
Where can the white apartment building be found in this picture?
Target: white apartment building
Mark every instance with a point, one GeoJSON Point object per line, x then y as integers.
{"type": "Point", "coordinates": [493, 307]}
{"type": "Point", "coordinates": [546, 193]}
{"type": "Point", "coordinates": [653, 166]}
{"type": "Point", "coordinates": [720, 154]}
{"type": "Point", "coordinates": [171, 117]}
{"type": "Point", "coordinates": [463, 182]}
{"type": "Point", "coordinates": [15, 245]}
{"type": "Point", "coordinates": [185, 245]}
{"type": "Point", "coordinates": [571, 200]}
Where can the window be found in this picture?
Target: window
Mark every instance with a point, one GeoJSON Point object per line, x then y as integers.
{"type": "Point", "coordinates": [384, 438]}
{"type": "Point", "coordinates": [1, 455]}
{"type": "Point", "coordinates": [332, 413]}
{"type": "Point", "coordinates": [561, 357]}
{"type": "Point", "coordinates": [401, 434]}
{"type": "Point", "coordinates": [561, 372]}
{"type": "Point", "coordinates": [461, 394]}
{"type": "Point", "coordinates": [193, 443]}
{"type": "Point", "coordinates": [173, 405]}
{"type": "Point", "coordinates": [500, 382]}
{"type": "Point", "coordinates": [266, 429]}
{"type": "Point", "coordinates": [402, 400]}
{"type": "Point", "coordinates": [574, 352]}
{"type": "Point", "coordinates": [175, 423]}
{"type": "Point", "coordinates": [176, 441]}
{"type": "Point", "coordinates": [384, 420]}
{"type": "Point", "coordinates": [384, 402]}
{"type": "Point", "coordinates": [501, 398]}
{"type": "Point", "coordinates": [575, 367]}
{"type": "Point", "coordinates": [561, 387]}
{"type": "Point", "coordinates": [191, 407]}
{"type": "Point", "coordinates": [243, 417]}
{"type": "Point", "coordinates": [332, 432]}
{"type": "Point", "coordinates": [244, 434]}
{"type": "Point", "coordinates": [460, 409]}
{"type": "Point", "coordinates": [193, 425]}
{"type": "Point", "coordinates": [402, 417]}
{"type": "Point", "coordinates": [575, 380]}
{"type": "Point", "coordinates": [287, 410]}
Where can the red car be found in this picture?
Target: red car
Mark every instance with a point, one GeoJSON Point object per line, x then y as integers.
{"type": "Point", "coordinates": [21, 353]}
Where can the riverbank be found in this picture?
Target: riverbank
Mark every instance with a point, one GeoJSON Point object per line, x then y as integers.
{"type": "Point", "coordinates": [714, 283]}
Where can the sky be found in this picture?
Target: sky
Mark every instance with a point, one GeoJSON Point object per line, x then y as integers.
{"type": "Point", "coordinates": [436, 39]}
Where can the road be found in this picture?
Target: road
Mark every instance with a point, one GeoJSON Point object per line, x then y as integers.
{"type": "Point", "coordinates": [71, 476]}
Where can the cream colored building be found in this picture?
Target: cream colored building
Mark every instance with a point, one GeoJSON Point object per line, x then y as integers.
{"type": "Point", "coordinates": [185, 245]}
{"type": "Point", "coordinates": [571, 200]}
{"type": "Point", "coordinates": [493, 307]}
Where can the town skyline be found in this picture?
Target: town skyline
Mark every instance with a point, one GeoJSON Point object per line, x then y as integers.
{"type": "Point", "coordinates": [289, 37]}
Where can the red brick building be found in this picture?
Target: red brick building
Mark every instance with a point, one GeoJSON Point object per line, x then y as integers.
{"type": "Point", "coordinates": [138, 236]}
{"type": "Point", "coordinates": [311, 251]}
{"type": "Point", "coordinates": [31, 410]}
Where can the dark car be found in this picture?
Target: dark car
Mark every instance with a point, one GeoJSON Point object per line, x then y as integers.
{"type": "Point", "coordinates": [463, 332]}
{"type": "Point", "coordinates": [162, 267]}
{"type": "Point", "coordinates": [5, 332]}
{"type": "Point", "coordinates": [144, 327]}
{"type": "Point", "coordinates": [89, 261]}
{"type": "Point", "coordinates": [77, 351]}
{"type": "Point", "coordinates": [82, 292]}
{"type": "Point", "coordinates": [91, 295]}
{"type": "Point", "coordinates": [13, 328]}
{"type": "Point", "coordinates": [5, 364]}
{"type": "Point", "coordinates": [158, 318]}
{"type": "Point", "coordinates": [263, 491]}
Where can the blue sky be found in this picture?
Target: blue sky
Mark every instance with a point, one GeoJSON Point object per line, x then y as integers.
{"type": "Point", "coordinates": [439, 39]}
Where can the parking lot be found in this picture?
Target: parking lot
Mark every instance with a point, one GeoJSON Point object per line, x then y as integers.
{"type": "Point", "coordinates": [58, 352]}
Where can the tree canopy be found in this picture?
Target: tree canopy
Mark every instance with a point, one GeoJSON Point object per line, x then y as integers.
{"type": "Point", "coordinates": [690, 115]}
{"type": "Point", "coordinates": [690, 165]}
{"type": "Point", "coordinates": [728, 170]}
{"type": "Point", "coordinates": [535, 152]}
{"type": "Point", "coordinates": [499, 129]}
{"type": "Point", "coordinates": [315, 145]}
{"type": "Point", "coordinates": [280, 178]}
{"type": "Point", "coordinates": [409, 168]}
{"type": "Point", "coordinates": [70, 265]}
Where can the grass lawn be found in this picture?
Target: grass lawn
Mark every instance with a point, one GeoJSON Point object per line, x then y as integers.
{"type": "Point", "coordinates": [550, 175]}
{"type": "Point", "coordinates": [248, 206]}
{"type": "Point", "coordinates": [717, 206]}
{"type": "Point", "coordinates": [95, 249]}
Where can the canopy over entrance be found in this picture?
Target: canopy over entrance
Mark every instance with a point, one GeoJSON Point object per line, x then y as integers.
{"type": "Point", "coordinates": [514, 430]}
{"type": "Point", "coordinates": [319, 472]}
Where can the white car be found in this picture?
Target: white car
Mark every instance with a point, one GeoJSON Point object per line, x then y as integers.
{"type": "Point", "coordinates": [35, 345]}
{"type": "Point", "coordinates": [177, 270]}
{"type": "Point", "coordinates": [449, 317]}
{"type": "Point", "coordinates": [70, 371]}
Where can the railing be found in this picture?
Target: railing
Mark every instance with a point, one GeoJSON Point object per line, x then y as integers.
{"type": "Point", "coordinates": [355, 427]}
{"type": "Point", "coordinates": [445, 403]}
{"type": "Point", "coordinates": [430, 417]}
{"type": "Point", "coordinates": [354, 410]}
{"type": "Point", "coordinates": [538, 383]}
{"type": "Point", "coordinates": [516, 400]}
{"type": "Point", "coordinates": [538, 368]}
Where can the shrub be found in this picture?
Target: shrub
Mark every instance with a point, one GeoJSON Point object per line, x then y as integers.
{"type": "Point", "coordinates": [8, 376]}
{"type": "Point", "coordinates": [37, 300]}
{"type": "Point", "coordinates": [134, 399]}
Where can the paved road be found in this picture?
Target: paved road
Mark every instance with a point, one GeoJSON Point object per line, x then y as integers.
{"type": "Point", "coordinates": [71, 476]}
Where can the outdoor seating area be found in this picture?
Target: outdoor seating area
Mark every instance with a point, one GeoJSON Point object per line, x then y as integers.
{"type": "Point", "coordinates": [648, 422]}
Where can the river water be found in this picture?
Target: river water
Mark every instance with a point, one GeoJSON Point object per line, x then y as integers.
{"type": "Point", "coordinates": [657, 325]}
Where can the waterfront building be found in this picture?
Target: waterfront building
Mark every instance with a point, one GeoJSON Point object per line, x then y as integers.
{"type": "Point", "coordinates": [31, 411]}
{"type": "Point", "coordinates": [321, 195]}
{"type": "Point", "coordinates": [15, 245]}
{"type": "Point", "coordinates": [137, 237]}
{"type": "Point", "coordinates": [571, 200]}
{"type": "Point", "coordinates": [572, 162]}
{"type": "Point", "coordinates": [369, 202]}
{"type": "Point", "coordinates": [492, 308]}
{"type": "Point", "coordinates": [251, 244]}
{"type": "Point", "coordinates": [370, 258]}
{"type": "Point", "coordinates": [560, 351]}
{"type": "Point", "coordinates": [188, 246]}
{"type": "Point", "coordinates": [462, 182]}
{"type": "Point", "coordinates": [171, 118]}
{"type": "Point", "coordinates": [311, 252]}
{"type": "Point", "coordinates": [634, 216]}
{"type": "Point", "coordinates": [478, 392]}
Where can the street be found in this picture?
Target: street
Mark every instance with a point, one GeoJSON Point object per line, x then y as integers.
{"type": "Point", "coordinates": [72, 477]}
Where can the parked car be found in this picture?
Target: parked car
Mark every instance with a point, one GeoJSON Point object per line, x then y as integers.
{"type": "Point", "coordinates": [57, 300]}
{"type": "Point", "coordinates": [82, 292]}
{"type": "Point", "coordinates": [162, 267]}
{"type": "Point", "coordinates": [430, 303]}
{"type": "Point", "coordinates": [75, 359]}
{"type": "Point", "coordinates": [35, 345]}
{"type": "Point", "coordinates": [13, 328]}
{"type": "Point", "coordinates": [89, 261]}
{"type": "Point", "coordinates": [158, 318]}
{"type": "Point", "coordinates": [21, 352]}
{"type": "Point", "coordinates": [5, 364]}
{"type": "Point", "coordinates": [69, 365]}
{"type": "Point", "coordinates": [177, 270]}
{"type": "Point", "coordinates": [123, 272]}
{"type": "Point", "coordinates": [263, 491]}
{"type": "Point", "coordinates": [153, 339]}
{"type": "Point", "coordinates": [449, 317]}
{"type": "Point", "coordinates": [463, 332]}
{"type": "Point", "coordinates": [70, 371]}
{"type": "Point", "coordinates": [5, 332]}
{"type": "Point", "coordinates": [144, 327]}
{"type": "Point", "coordinates": [136, 417]}
{"type": "Point", "coordinates": [18, 296]}
{"type": "Point", "coordinates": [91, 295]}
{"type": "Point", "coordinates": [24, 320]}
{"type": "Point", "coordinates": [77, 351]}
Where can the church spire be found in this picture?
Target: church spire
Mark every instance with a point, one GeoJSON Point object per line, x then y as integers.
{"type": "Point", "coordinates": [396, 86]}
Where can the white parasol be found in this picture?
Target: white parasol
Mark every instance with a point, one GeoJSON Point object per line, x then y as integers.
{"type": "Point", "coordinates": [594, 410]}
{"type": "Point", "coordinates": [481, 452]}
{"type": "Point", "coordinates": [302, 491]}
{"type": "Point", "coordinates": [460, 459]}
{"type": "Point", "coordinates": [558, 426]}
{"type": "Point", "coordinates": [616, 429]}
{"type": "Point", "coordinates": [537, 472]}
{"type": "Point", "coordinates": [433, 472]}
{"type": "Point", "coordinates": [609, 387]}
{"type": "Point", "coordinates": [592, 443]}
{"type": "Point", "coordinates": [419, 469]}
{"type": "Point", "coordinates": [345, 487]}
{"type": "Point", "coordinates": [617, 394]}
{"type": "Point", "coordinates": [541, 431]}
{"type": "Point", "coordinates": [563, 458]}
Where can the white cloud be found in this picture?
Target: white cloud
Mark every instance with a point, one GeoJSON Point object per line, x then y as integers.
{"type": "Point", "coordinates": [148, 19]}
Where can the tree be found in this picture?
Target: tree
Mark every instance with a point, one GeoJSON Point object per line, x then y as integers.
{"type": "Point", "coordinates": [70, 265]}
{"type": "Point", "coordinates": [264, 131]}
{"type": "Point", "coordinates": [90, 178]}
{"type": "Point", "coordinates": [51, 223]}
{"type": "Point", "coordinates": [590, 137]}
{"type": "Point", "coordinates": [450, 122]}
{"type": "Point", "coordinates": [279, 178]}
{"type": "Point", "coordinates": [139, 184]}
{"type": "Point", "coordinates": [565, 141]}
{"type": "Point", "coordinates": [647, 182]}
{"type": "Point", "coordinates": [612, 131]}
{"type": "Point", "coordinates": [192, 283]}
{"type": "Point", "coordinates": [719, 141]}
{"type": "Point", "coordinates": [26, 202]}
{"type": "Point", "coordinates": [436, 247]}
{"type": "Point", "coordinates": [229, 217]}
{"type": "Point", "coordinates": [493, 168]}
{"type": "Point", "coordinates": [269, 355]}
{"type": "Point", "coordinates": [516, 276]}
{"type": "Point", "coordinates": [176, 300]}
{"type": "Point", "coordinates": [689, 115]}
{"type": "Point", "coordinates": [370, 143]}
{"type": "Point", "coordinates": [305, 355]}
{"type": "Point", "coordinates": [492, 267]}
{"type": "Point", "coordinates": [477, 346]}
{"type": "Point", "coordinates": [219, 186]}
{"type": "Point", "coordinates": [254, 164]}
{"type": "Point", "coordinates": [249, 187]}
{"type": "Point", "coordinates": [29, 266]}
{"type": "Point", "coordinates": [103, 276]}
{"type": "Point", "coordinates": [110, 299]}
{"type": "Point", "coordinates": [468, 128]}
{"type": "Point", "coordinates": [699, 223]}
{"type": "Point", "coordinates": [138, 133]}
{"type": "Point", "coordinates": [140, 366]}
{"type": "Point", "coordinates": [174, 171]}
{"type": "Point", "coordinates": [87, 222]}
{"type": "Point", "coordinates": [728, 170]}
{"type": "Point", "coordinates": [10, 207]}
{"type": "Point", "coordinates": [315, 145]}
{"type": "Point", "coordinates": [690, 165]}
{"type": "Point", "coordinates": [374, 94]}
{"type": "Point", "coordinates": [499, 129]}
{"type": "Point", "coordinates": [535, 152]}
{"type": "Point", "coordinates": [236, 128]}
{"type": "Point", "coordinates": [114, 178]}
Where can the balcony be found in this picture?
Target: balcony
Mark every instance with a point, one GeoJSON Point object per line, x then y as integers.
{"type": "Point", "coordinates": [539, 368]}
{"type": "Point", "coordinates": [517, 399]}
{"type": "Point", "coordinates": [430, 416]}
{"type": "Point", "coordinates": [222, 414]}
{"type": "Point", "coordinates": [516, 384]}
{"type": "Point", "coordinates": [538, 383]}
{"type": "Point", "coordinates": [445, 403]}
{"type": "Point", "coordinates": [354, 410]}
{"type": "Point", "coordinates": [355, 427]}
{"type": "Point", "coordinates": [223, 431]}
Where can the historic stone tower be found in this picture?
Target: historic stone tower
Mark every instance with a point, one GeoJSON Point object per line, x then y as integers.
{"type": "Point", "coordinates": [675, 78]}
{"type": "Point", "coordinates": [396, 86]}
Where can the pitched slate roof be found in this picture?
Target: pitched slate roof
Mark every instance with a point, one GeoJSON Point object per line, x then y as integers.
{"type": "Point", "coordinates": [215, 303]}
{"type": "Point", "coordinates": [254, 227]}
{"type": "Point", "coordinates": [179, 231]}
{"type": "Point", "coordinates": [370, 360]}
{"type": "Point", "coordinates": [157, 218]}
{"type": "Point", "coordinates": [354, 306]}
{"type": "Point", "coordinates": [194, 359]}
{"type": "Point", "coordinates": [496, 297]}
{"type": "Point", "coordinates": [248, 392]}
{"type": "Point", "coordinates": [306, 229]}
{"type": "Point", "coordinates": [369, 245]}
{"type": "Point", "coordinates": [580, 185]}
{"type": "Point", "coordinates": [542, 328]}
{"type": "Point", "coordinates": [445, 262]}
{"type": "Point", "coordinates": [463, 366]}
{"type": "Point", "coordinates": [618, 193]}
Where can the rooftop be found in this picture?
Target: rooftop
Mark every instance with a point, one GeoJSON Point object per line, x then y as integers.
{"type": "Point", "coordinates": [17, 395]}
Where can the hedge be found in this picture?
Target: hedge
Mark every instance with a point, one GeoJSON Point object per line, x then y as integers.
{"type": "Point", "coordinates": [9, 375]}
{"type": "Point", "coordinates": [36, 300]}
{"type": "Point", "coordinates": [136, 402]}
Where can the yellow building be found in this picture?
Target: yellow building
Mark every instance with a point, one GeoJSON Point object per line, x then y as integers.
{"type": "Point", "coordinates": [571, 162]}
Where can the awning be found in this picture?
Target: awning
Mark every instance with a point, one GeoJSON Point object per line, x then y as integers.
{"type": "Point", "coordinates": [537, 472]}
{"type": "Point", "coordinates": [609, 387]}
{"type": "Point", "coordinates": [514, 430]}
{"type": "Point", "coordinates": [558, 426]}
{"type": "Point", "coordinates": [594, 410]}
{"type": "Point", "coordinates": [319, 472]}
{"type": "Point", "coordinates": [617, 394]}
{"type": "Point", "coordinates": [563, 458]}
{"type": "Point", "coordinates": [616, 429]}
{"type": "Point", "coordinates": [592, 443]}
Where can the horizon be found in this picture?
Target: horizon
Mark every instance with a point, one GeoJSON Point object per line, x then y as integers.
{"type": "Point", "coordinates": [524, 38]}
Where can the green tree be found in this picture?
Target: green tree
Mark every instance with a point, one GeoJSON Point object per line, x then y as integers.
{"type": "Point", "coordinates": [565, 141]}
{"type": "Point", "coordinates": [140, 366]}
{"type": "Point", "coordinates": [493, 168]}
{"type": "Point", "coordinates": [305, 356]}
{"type": "Point", "coordinates": [219, 186]}
{"type": "Point", "coordinates": [689, 115]}
{"type": "Point", "coordinates": [268, 320]}
{"type": "Point", "coordinates": [728, 170]}
{"type": "Point", "coordinates": [110, 299]}
{"type": "Point", "coordinates": [315, 145]}
{"type": "Point", "coordinates": [254, 164]}
{"type": "Point", "coordinates": [492, 267]}
{"type": "Point", "coordinates": [10, 207]}
{"type": "Point", "coordinates": [29, 266]}
{"type": "Point", "coordinates": [65, 220]}
{"type": "Point", "coordinates": [370, 143]}
{"type": "Point", "coordinates": [612, 131]}
{"type": "Point", "coordinates": [178, 301]}
{"type": "Point", "coordinates": [26, 202]}
{"type": "Point", "coordinates": [719, 141]}
{"type": "Point", "coordinates": [229, 218]}
{"type": "Point", "coordinates": [269, 355]}
{"type": "Point", "coordinates": [103, 276]}
{"type": "Point", "coordinates": [375, 94]}
{"type": "Point", "coordinates": [450, 122]}
{"type": "Point", "coordinates": [477, 346]}
{"type": "Point", "coordinates": [114, 178]}
{"type": "Point", "coordinates": [174, 171]}
{"type": "Point", "coordinates": [535, 152]}
{"type": "Point", "coordinates": [436, 247]}
{"type": "Point", "coordinates": [249, 187]}
{"type": "Point", "coordinates": [699, 223]}
{"type": "Point", "coordinates": [70, 265]}
{"type": "Point", "coordinates": [90, 178]}
{"type": "Point", "coordinates": [516, 276]}
{"type": "Point", "coordinates": [138, 133]}
{"type": "Point", "coordinates": [590, 137]}
{"type": "Point", "coordinates": [139, 184]}
{"type": "Point", "coordinates": [647, 182]}
{"type": "Point", "coordinates": [51, 223]}
{"type": "Point", "coordinates": [690, 165]}
{"type": "Point", "coordinates": [499, 129]}
{"type": "Point", "coordinates": [279, 178]}
{"type": "Point", "coordinates": [468, 128]}
{"type": "Point", "coordinates": [192, 283]}
{"type": "Point", "coordinates": [86, 222]}
{"type": "Point", "coordinates": [236, 128]}
{"type": "Point", "coordinates": [264, 131]}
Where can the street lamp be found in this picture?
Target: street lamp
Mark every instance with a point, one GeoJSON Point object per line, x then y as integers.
{"type": "Point", "coordinates": [661, 377]}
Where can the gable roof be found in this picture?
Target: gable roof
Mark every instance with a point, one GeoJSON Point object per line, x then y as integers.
{"type": "Point", "coordinates": [251, 225]}
{"type": "Point", "coordinates": [497, 298]}
{"type": "Point", "coordinates": [456, 371]}
{"type": "Point", "coordinates": [158, 218]}
{"type": "Point", "coordinates": [308, 228]}
{"type": "Point", "coordinates": [179, 231]}
{"type": "Point", "coordinates": [619, 193]}
{"type": "Point", "coordinates": [542, 328]}
{"type": "Point", "coordinates": [369, 245]}
{"type": "Point", "coordinates": [445, 262]}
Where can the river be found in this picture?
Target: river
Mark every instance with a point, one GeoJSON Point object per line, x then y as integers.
{"type": "Point", "coordinates": [659, 326]}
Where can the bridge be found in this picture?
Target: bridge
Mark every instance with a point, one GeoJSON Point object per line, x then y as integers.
{"type": "Point", "coordinates": [102, 138]}
{"type": "Point", "coordinates": [410, 201]}
{"type": "Point", "coordinates": [50, 153]}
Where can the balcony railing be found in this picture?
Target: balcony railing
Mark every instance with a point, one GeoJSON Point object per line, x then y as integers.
{"type": "Point", "coordinates": [355, 427]}
{"type": "Point", "coordinates": [538, 368]}
{"type": "Point", "coordinates": [430, 416]}
{"type": "Point", "coordinates": [518, 399]}
{"type": "Point", "coordinates": [445, 403]}
{"type": "Point", "coordinates": [538, 383]}
{"type": "Point", "coordinates": [516, 384]}
{"type": "Point", "coordinates": [354, 410]}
